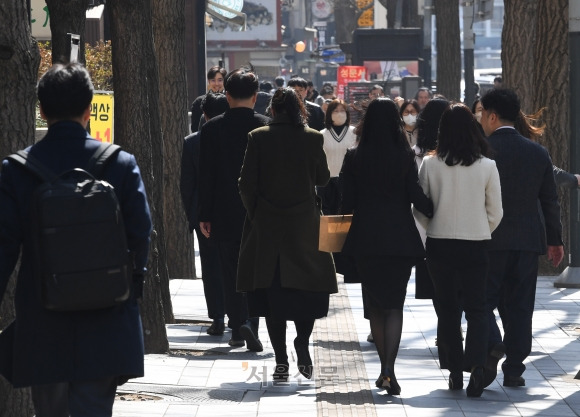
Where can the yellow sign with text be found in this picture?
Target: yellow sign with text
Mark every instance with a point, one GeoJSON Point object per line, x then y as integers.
{"type": "Point", "coordinates": [102, 117]}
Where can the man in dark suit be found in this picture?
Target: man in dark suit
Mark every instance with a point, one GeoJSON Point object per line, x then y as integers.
{"type": "Point", "coordinates": [212, 105]}
{"type": "Point", "coordinates": [527, 178]}
{"type": "Point", "coordinates": [223, 146]}
{"type": "Point", "coordinates": [315, 113]}
{"type": "Point", "coordinates": [72, 361]}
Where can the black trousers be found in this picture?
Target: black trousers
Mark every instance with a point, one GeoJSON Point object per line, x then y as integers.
{"type": "Point", "coordinates": [75, 399]}
{"type": "Point", "coordinates": [459, 270]}
{"type": "Point", "coordinates": [236, 303]}
{"type": "Point", "coordinates": [211, 275]}
{"type": "Point", "coordinates": [511, 288]}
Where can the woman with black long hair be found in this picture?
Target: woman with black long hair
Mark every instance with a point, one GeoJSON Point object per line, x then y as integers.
{"type": "Point", "coordinates": [380, 183]}
{"type": "Point", "coordinates": [465, 188]}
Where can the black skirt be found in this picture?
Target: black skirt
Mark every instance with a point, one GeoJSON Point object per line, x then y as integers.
{"type": "Point", "coordinates": [287, 303]}
{"type": "Point", "coordinates": [384, 281]}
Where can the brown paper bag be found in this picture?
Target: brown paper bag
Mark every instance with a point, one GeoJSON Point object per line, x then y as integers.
{"type": "Point", "coordinates": [333, 231]}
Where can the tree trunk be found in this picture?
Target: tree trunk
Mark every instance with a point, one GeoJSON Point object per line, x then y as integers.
{"type": "Point", "coordinates": [448, 49]}
{"type": "Point", "coordinates": [67, 16]}
{"type": "Point", "coordinates": [345, 15]}
{"type": "Point", "coordinates": [518, 38]}
{"type": "Point", "coordinates": [19, 60]}
{"type": "Point", "coordinates": [169, 33]}
{"type": "Point", "coordinates": [138, 129]}
{"type": "Point", "coordinates": [535, 37]}
{"type": "Point", "coordinates": [551, 80]}
{"type": "Point", "coordinates": [409, 13]}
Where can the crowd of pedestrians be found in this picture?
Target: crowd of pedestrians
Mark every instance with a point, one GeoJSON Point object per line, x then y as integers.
{"type": "Point", "coordinates": [465, 196]}
{"type": "Point", "coordinates": [456, 193]}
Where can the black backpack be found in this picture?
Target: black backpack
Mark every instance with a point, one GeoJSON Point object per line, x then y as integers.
{"type": "Point", "coordinates": [80, 246]}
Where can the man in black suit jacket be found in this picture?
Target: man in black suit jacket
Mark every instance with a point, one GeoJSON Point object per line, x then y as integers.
{"type": "Point", "coordinates": [527, 181]}
{"type": "Point", "coordinates": [212, 105]}
{"type": "Point", "coordinates": [223, 146]}
{"type": "Point", "coordinates": [315, 113]}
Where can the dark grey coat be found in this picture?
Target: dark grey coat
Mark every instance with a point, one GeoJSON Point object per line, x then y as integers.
{"type": "Point", "coordinates": [283, 164]}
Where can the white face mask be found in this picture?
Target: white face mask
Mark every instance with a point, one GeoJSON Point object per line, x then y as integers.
{"type": "Point", "coordinates": [338, 118]}
{"type": "Point", "coordinates": [478, 117]}
{"type": "Point", "coordinates": [410, 119]}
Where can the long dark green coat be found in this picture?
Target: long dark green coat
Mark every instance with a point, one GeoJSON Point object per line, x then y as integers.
{"type": "Point", "coordinates": [283, 164]}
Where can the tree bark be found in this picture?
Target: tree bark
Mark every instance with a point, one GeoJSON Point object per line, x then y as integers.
{"type": "Point", "coordinates": [67, 16]}
{"type": "Point", "coordinates": [169, 33]}
{"type": "Point", "coordinates": [138, 129]}
{"type": "Point", "coordinates": [19, 61]}
{"type": "Point", "coordinates": [409, 13]}
{"type": "Point", "coordinates": [517, 53]}
{"type": "Point", "coordinates": [448, 49]}
{"type": "Point", "coordinates": [346, 14]}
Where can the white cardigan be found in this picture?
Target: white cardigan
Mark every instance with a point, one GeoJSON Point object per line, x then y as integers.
{"type": "Point", "coordinates": [466, 200]}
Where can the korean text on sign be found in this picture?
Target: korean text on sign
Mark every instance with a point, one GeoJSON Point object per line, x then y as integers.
{"type": "Point", "coordinates": [102, 117]}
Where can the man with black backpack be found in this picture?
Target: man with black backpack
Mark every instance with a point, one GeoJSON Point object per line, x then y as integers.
{"type": "Point", "coordinates": [77, 213]}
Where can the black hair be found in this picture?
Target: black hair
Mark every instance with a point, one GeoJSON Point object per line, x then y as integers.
{"type": "Point", "coordinates": [214, 104]}
{"type": "Point", "coordinates": [380, 133]}
{"type": "Point", "coordinates": [216, 69]}
{"type": "Point", "coordinates": [288, 101]}
{"type": "Point", "coordinates": [266, 86]}
{"type": "Point", "coordinates": [474, 105]}
{"type": "Point", "coordinates": [65, 91]}
{"type": "Point", "coordinates": [498, 79]}
{"type": "Point", "coordinates": [502, 101]}
{"type": "Point", "coordinates": [297, 82]}
{"type": "Point", "coordinates": [331, 107]}
{"type": "Point", "coordinates": [460, 141]}
{"type": "Point", "coordinates": [428, 125]}
{"type": "Point", "coordinates": [413, 103]}
{"type": "Point", "coordinates": [376, 87]}
{"type": "Point", "coordinates": [242, 83]}
{"type": "Point", "coordinates": [279, 81]}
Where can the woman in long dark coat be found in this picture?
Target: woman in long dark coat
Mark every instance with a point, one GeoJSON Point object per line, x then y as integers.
{"type": "Point", "coordinates": [280, 267]}
{"type": "Point", "coordinates": [380, 182]}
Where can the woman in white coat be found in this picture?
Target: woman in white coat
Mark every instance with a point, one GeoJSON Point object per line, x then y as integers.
{"type": "Point", "coordinates": [465, 189]}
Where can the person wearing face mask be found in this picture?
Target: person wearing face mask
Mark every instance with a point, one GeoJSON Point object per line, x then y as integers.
{"type": "Point", "coordinates": [409, 111]}
{"type": "Point", "coordinates": [338, 137]}
{"type": "Point", "coordinates": [476, 109]}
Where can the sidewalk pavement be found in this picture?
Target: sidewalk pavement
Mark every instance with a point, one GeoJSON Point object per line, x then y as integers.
{"type": "Point", "coordinates": [203, 376]}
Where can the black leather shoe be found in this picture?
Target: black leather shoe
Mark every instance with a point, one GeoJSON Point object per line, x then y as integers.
{"type": "Point", "coordinates": [303, 358]}
{"type": "Point", "coordinates": [216, 329]}
{"type": "Point", "coordinates": [475, 386]}
{"type": "Point", "coordinates": [513, 381]}
{"type": "Point", "coordinates": [236, 342]}
{"type": "Point", "coordinates": [281, 373]}
{"type": "Point", "coordinates": [493, 357]}
{"type": "Point", "coordinates": [252, 341]}
{"type": "Point", "coordinates": [456, 381]}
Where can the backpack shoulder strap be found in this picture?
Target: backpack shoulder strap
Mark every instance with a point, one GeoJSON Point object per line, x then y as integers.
{"type": "Point", "coordinates": [34, 165]}
{"type": "Point", "coordinates": [100, 157]}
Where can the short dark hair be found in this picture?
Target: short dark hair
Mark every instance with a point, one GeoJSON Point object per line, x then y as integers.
{"type": "Point", "coordinates": [333, 105]}
{"type": "Point", "coordinates": [265, 86]}
{"type": "Point", "coordinates": [287, 101]}
{"type": "Point", "coordinates": [297, 82]}
{"type": "Point", "coordinates": [279, 81]}
{"type": "Point", "coordinates": [216, 69]}
{"type": "Point", "coordinates": [214, 104]}
{"type": "Point", "coordinates": [460, 141]}
{"type": "Point", "coordinates": [502, 101]}
{"type": "Point", "coordinates": [242, 83]}
{"type": "Point", "coordinates": [376, 87]}
{"type": "Point", "coordinates": [498, 79]}
{"type": "Point", "coordinates": [65, 91]}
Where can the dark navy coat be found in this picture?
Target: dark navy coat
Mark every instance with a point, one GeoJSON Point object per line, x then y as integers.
{"type": "Point", "coordinates": [43, 346]}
